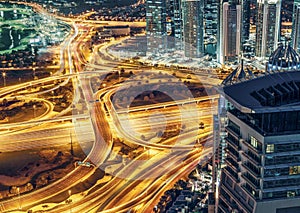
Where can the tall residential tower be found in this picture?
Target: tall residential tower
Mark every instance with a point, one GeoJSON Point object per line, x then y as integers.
{"type": "Point", "coordinates": [193, 28]}
{"type": "Point", "coordinates": [176, 23]}
{"type": "Point", "coordinates": [267, 27]}
{"type": "Point", "coordinates": [230, 31]}
{"type": "Point", "coordinates": [156, 26]}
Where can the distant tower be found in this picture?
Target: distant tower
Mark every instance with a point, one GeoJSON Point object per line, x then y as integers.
{"type": "Point", "coordinates": [267, 27]}
{"type": "Point", "coordinates": [245, 20]}
{"type": "Point", "coordinates": [176, 23]}
{"type": "Point", "coordinates": [296, 26]}
{"type": "Point", "coordinates": [156, 25]}
{"type": "Point", "coordinates": [287, 10]}
{"type": "Point", "coordinates": [193, 28]}
{"type": "Point", "coordinates": [211, 26]}
{"type": "Point", "coordinates": [231, 31]}
{"type": "Point", "coordinates": [220, 56]}
{"type": "Point", "coordinates": [211, 16]}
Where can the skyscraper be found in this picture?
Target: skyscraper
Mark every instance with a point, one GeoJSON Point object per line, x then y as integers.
{"type": "Point", "coordinates": [245, 20]}
{"type": "Point", "coordinates": [231, 31]}
{"type": "Point", "coordinates": [176, 23]}
{"type": "Point", "coordinates": [262, 172]}
{"type": "Point", "coordinates": [220, 54]}
{"type": "Point", "coordinates": [296, 26]}
{"type": "Point", "coordinates": [156, 25]}
{"type": "Point", "coordinates": [267, 27]}
{"type": "Point", "coordinates": [287, 10]}
{"type": "Point", "coordinates": [193, 28]}
{"type": "Point", "coordinates": [211, 17]}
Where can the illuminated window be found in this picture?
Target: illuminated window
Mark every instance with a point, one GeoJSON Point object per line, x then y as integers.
{"type": "Point", "coordinates": [294, 170]}
{"type": "Point", "coordinates": [253, 141]}
{"type": "Point", "coordinates": [270, 148]}
{"type": "Point", "coordinates": [291, 194]}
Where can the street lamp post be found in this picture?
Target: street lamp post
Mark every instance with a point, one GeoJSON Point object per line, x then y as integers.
{"type": "Point", "coordinates": [18, 189]}
{"type": "Point", "coordinates": [52, 92]}
{"type": "Point", "coordinates": [4, 78]}
{"type": "Point", "coordinates": [70, 192]}
{"type": "Point", "coordinates": [33, 69]}
{"type": "Point", "coordinates": [34, 107]}
{"type": "Point", "coordinates": [33, 73]}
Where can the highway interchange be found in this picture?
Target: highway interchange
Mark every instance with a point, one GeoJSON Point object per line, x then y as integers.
{"type": "Point", "coordinates": [139, 181]}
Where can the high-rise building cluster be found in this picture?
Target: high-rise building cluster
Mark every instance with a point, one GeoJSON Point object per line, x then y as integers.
{"type": "Point", "coordinates": [226, 26]}
{"type": "Point", "coordinates": [257, 131]}
{"type": "Point", "coordinates": [256, 163]}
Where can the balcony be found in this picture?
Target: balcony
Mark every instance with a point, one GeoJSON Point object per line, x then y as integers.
{"type": "Point", "coordinates": [235, 143]}
{"type": "Point", "coordinates": [233, 155]}
{"type": "Point", "coordinates": [229, 203]}
{"type": "Point", "coordinates": [222, 207]}
{"type": "Point", "coordinates": [252, 170]}
{"type": "Point", "coordinates": [233, 131]}
{"type": "Point", "coordinates": [251, 192]}
{"type": "Point", "coordinates": [237, 198]}
{"type": "Point", "coordinates": [234, 165]}
{"type": "Point", "coordinates": [250, 180]}
{"type": "Point", "coordinates": [232, 151]}
{"type": "Point", "coordinates": [252, 157]}
{"type": "Point", "coordinates": [231, 173]}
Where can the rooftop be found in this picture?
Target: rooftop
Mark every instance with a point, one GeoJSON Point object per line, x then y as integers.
{"type": "Point", "coordinates": [283, 58]}
{"type": "Point", "coordinates": [269, 93]}
{"type": "Point", "coordinates": [277, 90]}
{"type": "Point", "coordinates": [240, 74]}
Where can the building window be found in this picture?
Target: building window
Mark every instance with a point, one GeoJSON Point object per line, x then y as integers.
{"type": "Point", "coordinates": [234, 127]}
{"type": "Point", "coordinates": [294, 170]}
{"type": "Point", "coordinates": [253, 141]}
{"type": "Point", "coordinates": [270, 148]}
{"type": "Point", "coordinates": [291, 193]}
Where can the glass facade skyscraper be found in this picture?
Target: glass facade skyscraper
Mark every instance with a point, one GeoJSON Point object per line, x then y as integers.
{"type": "Point", "coordinates": [267, 27]}
{"type": "Point", "coordinates": [231, 34]}
{"type": "Point", "coordinates": [245, 20]}
{"type": "Point", "coordinates": [156, 26]}
{"type": "Point", "coordinates": [193, 28]}
{"type": "Point", "coordinates": [176, 22]}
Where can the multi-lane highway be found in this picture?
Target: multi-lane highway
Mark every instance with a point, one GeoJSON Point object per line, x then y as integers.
{"type": "Point", "coordinates": [140, 180]}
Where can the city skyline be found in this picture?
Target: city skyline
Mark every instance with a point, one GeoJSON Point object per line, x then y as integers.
{"type": "Point", "coordinates": [155, 106]}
